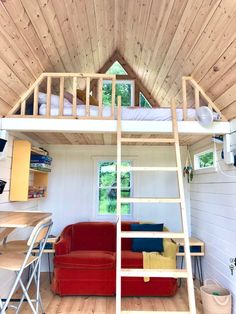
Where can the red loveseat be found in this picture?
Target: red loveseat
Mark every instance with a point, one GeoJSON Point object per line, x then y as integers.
{"type": "Point", "coordinates": [85, 263]}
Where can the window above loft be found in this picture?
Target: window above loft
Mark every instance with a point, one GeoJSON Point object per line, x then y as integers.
{"type": "Point", "coordinates": [204, 160]}
{"type": "Point", "coordinates": [143, 102]}
{"type": "Point", "coordinates": [116, 68]}
{"type": "Point", "coordinates": [124, 88]}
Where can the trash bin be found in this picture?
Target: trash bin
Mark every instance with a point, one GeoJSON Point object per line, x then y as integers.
{"type": "Point", "coordinates": [215, 299]}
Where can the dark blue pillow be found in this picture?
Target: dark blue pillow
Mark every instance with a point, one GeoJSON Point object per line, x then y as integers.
{"type": "Point", "coordinates": [147, 244]}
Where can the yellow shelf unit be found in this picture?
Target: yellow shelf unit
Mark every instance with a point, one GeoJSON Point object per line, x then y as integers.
{"type": "Point", "coordinates": [20, 174]}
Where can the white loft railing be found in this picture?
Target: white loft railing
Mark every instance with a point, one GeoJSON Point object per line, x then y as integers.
{"type": "Point", "coordinates": [51, 81]}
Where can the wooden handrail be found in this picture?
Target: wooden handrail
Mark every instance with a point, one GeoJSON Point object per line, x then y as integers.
{"type": "Point", "coordinates": [198, 91]}
{"type": "Point", "coordinates": [19, 110]}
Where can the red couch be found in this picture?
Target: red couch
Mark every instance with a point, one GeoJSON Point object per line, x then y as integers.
{"type": "Point", "coordinates": [85, 263]}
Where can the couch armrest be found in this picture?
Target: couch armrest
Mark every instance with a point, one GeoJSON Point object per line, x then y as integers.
{"type": "Point", "coordinates": [63, 246]}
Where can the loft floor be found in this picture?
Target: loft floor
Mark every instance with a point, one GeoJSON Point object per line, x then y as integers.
{"type": "Point", "coordinates": [54, 304]}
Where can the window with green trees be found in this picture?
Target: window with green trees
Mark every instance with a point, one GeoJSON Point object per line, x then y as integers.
{"type": "Point", "coordinates": [107, 185]}
{"type": "Point", "coordinates": [204, 159]}
{"type": "Point", "coordinates": [143, 102]}
{"type": "Point", "coordinates": [124, 88]}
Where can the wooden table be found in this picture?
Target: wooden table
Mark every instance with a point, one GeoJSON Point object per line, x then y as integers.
{"type": "Point", "coordinates": [10, 220]}
{"type": "Point", "coordinates": [197, 263]}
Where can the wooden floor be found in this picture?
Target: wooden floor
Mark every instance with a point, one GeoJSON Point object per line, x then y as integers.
{"type": "Point", "coordinates": [54, 304]}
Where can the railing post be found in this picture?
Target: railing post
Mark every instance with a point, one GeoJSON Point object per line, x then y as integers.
{"type": "Point", "coordinates": [61, 102]}
{"type": "Point", "coordinates": [49, 89]}
{"type": "Point", "coordinates": [196, 96]}
{"type": "Point", "coordinates": [87, 96]}
{"type": "Point", "coordinates": [184, 99]}
{"type": "Point", "coordinates": [74, 108]}
{"type": "Point", "coordinates": [100, 84]}
{"type": "Point", "coordinates": [22, 108]}
{"type": "Point", "coordinates": [36, 100]}
{"type": "Point", "coordinates": [113, 95]}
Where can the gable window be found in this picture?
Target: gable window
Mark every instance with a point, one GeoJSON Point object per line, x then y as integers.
{"type": "Point", "coordinates": [124, 86]}
{"type": "Point", "coordinates": [204, 160]}
{"type": "Point", "coordinates": [143, 102]}
{"type": "Point", "coordinates": [107, 188]}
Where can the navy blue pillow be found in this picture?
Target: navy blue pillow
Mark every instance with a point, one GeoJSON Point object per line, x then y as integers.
{"type": "Point", "coordinates": [147, 244]}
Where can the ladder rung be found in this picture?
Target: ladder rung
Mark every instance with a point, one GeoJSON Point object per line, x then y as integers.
{"type": "Point", "coordinates": [163, 273]}
{"type": "Point", "coordinates": [127, 168]}
{"type": "Point", "coordinates": [149, 200]}
{"type": "Point", "coordinates": [152, 234]}
{"type": "Point", "coordinates": [147, 140]}
{"type": "Point", "coordinates": [151, 312]}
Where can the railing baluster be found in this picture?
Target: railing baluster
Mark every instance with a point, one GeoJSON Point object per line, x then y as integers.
{"type": "Point", "coordinates": [61, 103]}
{"type": "Point", "coordinates": [100, 84]}
{"type": "Point", "coordinates": [49, 89]}
{"type": "Point", "coordinates": [113, 95]}
{"type": "Point", "coordinates": [36, 100]}
{"type": "Point", "coordinates": [197, 98]}
{"type": "Point", "coordinates": [74, 109]}
{"type": "Point", "coordinates": [22, 108]}
{"type": "Point", "coordinates": [184, 99]}
{"type": "Point", "coordinates": [87, 96]}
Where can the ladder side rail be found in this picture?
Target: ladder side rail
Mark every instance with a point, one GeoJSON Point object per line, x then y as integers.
{"type": "Point", "coordinates": [118, 210]}
{"type": "Point", "coordinates": [191, 296]}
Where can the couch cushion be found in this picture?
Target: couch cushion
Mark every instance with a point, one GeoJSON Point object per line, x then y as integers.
{"type": "Point", "coordinates": [131, 259]}
{"type": "Point", "coordinates": [126, 243]}
{"type": "Point", "coordinates": [147, 244]}
{"type": "Point", "coordinates": [93, 236]}
{"type": "Point", "coordinates": [86, 260]}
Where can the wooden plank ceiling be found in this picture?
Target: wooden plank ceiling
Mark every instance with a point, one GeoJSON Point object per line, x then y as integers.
{"type": "Point", "coordinates": [161, 41]}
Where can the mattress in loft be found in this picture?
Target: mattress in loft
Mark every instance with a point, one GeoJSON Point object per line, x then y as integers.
{"type": "Point", "coordinates": [127, 113]}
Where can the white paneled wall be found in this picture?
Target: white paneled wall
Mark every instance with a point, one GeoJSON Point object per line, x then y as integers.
{"type": "Point", "coordinates": [72, 194]}
{"type": "Point", "coordinates": [5, 173]}
{"type": "Point", "coordinates": [213, 217]}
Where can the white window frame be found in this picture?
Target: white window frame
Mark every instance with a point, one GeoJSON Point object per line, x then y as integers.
{"type": "Point", "coordinates": [197, 164]}
{"type": "Point", "coordinates": [109, 217]}
{"type": "Point", "coordinates": [131, 82]}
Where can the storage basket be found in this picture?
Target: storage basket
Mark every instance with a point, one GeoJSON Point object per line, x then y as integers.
{"type": "Point", "coordinates": [215, 299]}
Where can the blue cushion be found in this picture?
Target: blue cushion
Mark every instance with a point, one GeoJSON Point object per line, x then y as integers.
{"type": "Point", "coordinates": [147, 244]}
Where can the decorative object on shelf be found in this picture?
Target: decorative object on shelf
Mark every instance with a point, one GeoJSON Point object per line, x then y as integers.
{"type": "Point", "coordinates": [2, 186]}
{"type": "Point", "coordinates": [27, 182]}
{"type": "Point", "coordinates": [41, 163]}
{"type": "Point", "coordinates": [188, 169]}
{"type": "Point", "coordinates": [37, 191]}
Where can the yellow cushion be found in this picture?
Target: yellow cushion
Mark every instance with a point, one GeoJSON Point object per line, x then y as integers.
{"type": "Point", "coordinates": [81, 94]}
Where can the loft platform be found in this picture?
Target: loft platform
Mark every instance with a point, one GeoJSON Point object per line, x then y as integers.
{"type": "Point", "coordinates": [56, 118]}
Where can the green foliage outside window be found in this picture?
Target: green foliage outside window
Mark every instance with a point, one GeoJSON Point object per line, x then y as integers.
{"type": "Point", "coordinates": [108, 188]}
{"type": "Point", "coordinates": [143, 102]}
{"type": "Point", "coordinates": [206, 160]}
{"type": "Point", "coordinates": [116, 68]}
{"type": "Point", "coordinates": [122, 89]}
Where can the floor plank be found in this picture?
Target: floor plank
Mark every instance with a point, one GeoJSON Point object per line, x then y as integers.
{"type": "Point", "coordinates": [54, 304]}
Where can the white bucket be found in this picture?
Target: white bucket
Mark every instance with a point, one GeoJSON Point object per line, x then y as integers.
{"type": "Point", "coordinates": [215, 299]}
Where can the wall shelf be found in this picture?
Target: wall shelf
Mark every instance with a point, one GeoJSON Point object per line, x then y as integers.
{"type": "Point", "coordinates": [22, 176]}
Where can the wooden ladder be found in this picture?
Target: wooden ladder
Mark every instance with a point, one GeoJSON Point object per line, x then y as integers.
{"type": "Point", "coordinates": [171, 273]}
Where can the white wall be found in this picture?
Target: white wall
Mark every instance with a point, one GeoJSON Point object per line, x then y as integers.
{"type": "Point", "coordinates": [5, 173]}
{"type": "Point", "coordinates": [73, 183]}
{"type": "Point", "coordinates": [213, 218]}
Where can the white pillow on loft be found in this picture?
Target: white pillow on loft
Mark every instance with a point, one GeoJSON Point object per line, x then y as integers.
{"type": "Point", "coordinates": [42, 99]}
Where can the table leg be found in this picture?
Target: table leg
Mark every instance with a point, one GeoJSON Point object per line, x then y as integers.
{"type": "Point", "coordinates": [49, 268]}
{"type": "Point", "coordinates": [181, 267]}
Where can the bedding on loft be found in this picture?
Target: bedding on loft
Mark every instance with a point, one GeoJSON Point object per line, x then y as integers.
{"type": "Point", "coordinates": [127, 113]}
